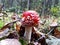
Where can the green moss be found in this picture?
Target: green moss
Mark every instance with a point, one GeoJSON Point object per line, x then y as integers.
{"type": "Point", "coordinates": [1, 23]}
{"type": "Point", "coordinates": [23, 42]}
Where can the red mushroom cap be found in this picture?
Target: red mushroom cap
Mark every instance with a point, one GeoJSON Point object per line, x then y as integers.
{"type": "Point", "coordinates": [30, 18]}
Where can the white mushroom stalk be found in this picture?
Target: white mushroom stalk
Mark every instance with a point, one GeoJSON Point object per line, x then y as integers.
{"type": "Point", "coordinates": [27, 35]}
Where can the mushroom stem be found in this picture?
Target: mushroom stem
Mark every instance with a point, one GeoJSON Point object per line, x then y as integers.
{"type": "Point", "coordinates": [27, 35]}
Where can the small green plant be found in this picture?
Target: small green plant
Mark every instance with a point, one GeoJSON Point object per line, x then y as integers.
{"type": "Point", "coordinates": [55, 10]}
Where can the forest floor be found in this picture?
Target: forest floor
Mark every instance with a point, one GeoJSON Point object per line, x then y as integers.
{"type": "Point", "coordinates": [8, 19]}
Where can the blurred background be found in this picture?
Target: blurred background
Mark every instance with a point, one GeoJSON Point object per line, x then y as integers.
{"type": "Point", "coordinates": [44, 7]}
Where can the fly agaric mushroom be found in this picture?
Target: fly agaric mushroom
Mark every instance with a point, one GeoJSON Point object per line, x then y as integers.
{"type": "Point", "coordinates": [29, 19]}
